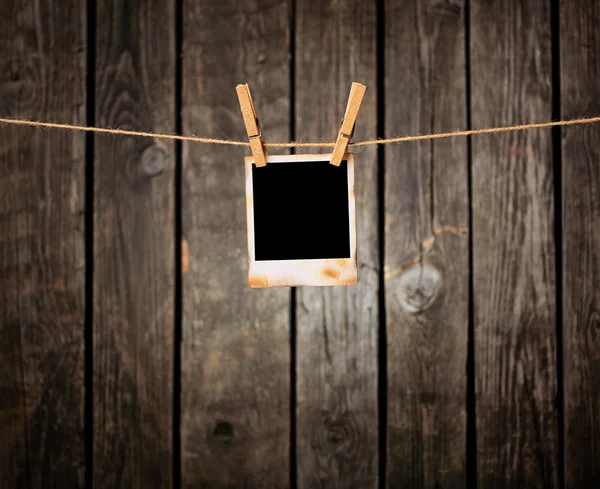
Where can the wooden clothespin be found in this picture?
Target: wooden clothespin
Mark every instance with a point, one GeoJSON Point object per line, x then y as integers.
{"type": "Point", "coordinates": [252, 123]}
{"type": "Point", "coordinates": [357, 92]}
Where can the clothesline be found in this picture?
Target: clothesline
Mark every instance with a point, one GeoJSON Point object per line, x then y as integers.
{"type": "Point", "coordinates": [295, 144]}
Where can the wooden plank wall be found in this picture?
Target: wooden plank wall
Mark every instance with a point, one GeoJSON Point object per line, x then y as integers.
{"type": "Point", "coordinates": [337, 434]}
{"type": "Point", "coordinates": [514, 275]}
{"type": "Point", "coordinates": [426, 246]}
{"type": "Point", "coordinates": [132, 352]}
{"type": "Point", "coordinates": [235, 411]}
{"type": "Point", "coordinates": [42, 252]}
{"type": "Point", "coordinates": [579, 75]}
{"type": "Point", "coordinates": [133, 246]}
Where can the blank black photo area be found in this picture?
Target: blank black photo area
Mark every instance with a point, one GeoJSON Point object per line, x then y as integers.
{"type": "Point", "coordinates": [301, 211]}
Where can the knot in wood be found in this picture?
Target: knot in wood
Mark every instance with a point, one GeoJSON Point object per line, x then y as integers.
{"type": "Point", "coordinates": [154, 161]}
{"type": "Point", "coordinates": [338, 432]}
{"type": "Point", "coordinates": [593, 331]}
{"type": "Point", "coordinates": [595, 320]}
{"type": "Point", "coordinates": [450, 7]}
{"type": "Point", "coordinates": [418, 287]}
{"type": "Point", "coordinates": [335, 433]}
{"type": "Point", "coordinates": [223, 431]}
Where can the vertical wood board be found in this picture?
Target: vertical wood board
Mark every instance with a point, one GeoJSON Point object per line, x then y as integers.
{"type": "Point", "coordinates": [235, 425]}
{"type": "Point", "coordinates": [42, 259]}
{"type": "Point", "coordinates": [513, 249]}
{"type": "Point", "coordinates": [580, 96]}
{"type": "Point", "coordinates": [337, 424]}
{"type": "Point", "coordinates": [426, 245]}
{"type": "Point", "coordinates": [133, 246]}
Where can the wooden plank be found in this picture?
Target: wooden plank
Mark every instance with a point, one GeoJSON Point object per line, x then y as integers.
{"type": "Point", "coordinates": [580, 96]}
{"type": "Point", "coordinates": [426, 245]}
{"type": "Point", "coordinates": [42, 259]}
{"type": "Point", "coordinates": [337, 430]}
{"type": "Point", "coordinates": [134, 246]}
{"type": "Point", "coordinates": [235, 351]}
{"type": "Point", "coordinates": [513, 250]}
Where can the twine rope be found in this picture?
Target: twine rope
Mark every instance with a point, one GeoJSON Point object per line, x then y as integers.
{"type": "Point", "coordinates": [295, 144]}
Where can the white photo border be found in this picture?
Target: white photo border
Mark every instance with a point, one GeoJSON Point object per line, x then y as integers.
{"type": "Point", "coordinates": [291, 273]}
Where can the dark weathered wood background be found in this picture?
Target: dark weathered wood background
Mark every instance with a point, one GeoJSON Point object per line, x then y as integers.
{"type": "Point", "coordinates": [132, 352]}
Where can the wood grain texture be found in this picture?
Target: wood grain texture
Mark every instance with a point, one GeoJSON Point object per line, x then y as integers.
{"type": "Point", "coordinates": [337, 431]}
{"type": "Point", "coordinates": [513, 250]}
{"type": "Point", "coordinates": [235, 351]}
{"type": "Point", "coordinates": [580, 95]}
{"type": "Point", "coordinates": [133, 246]}
{"type": "Point", "coordinates": [426, 245]}
{"type": "Point", "coordinates": [42, 262]}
